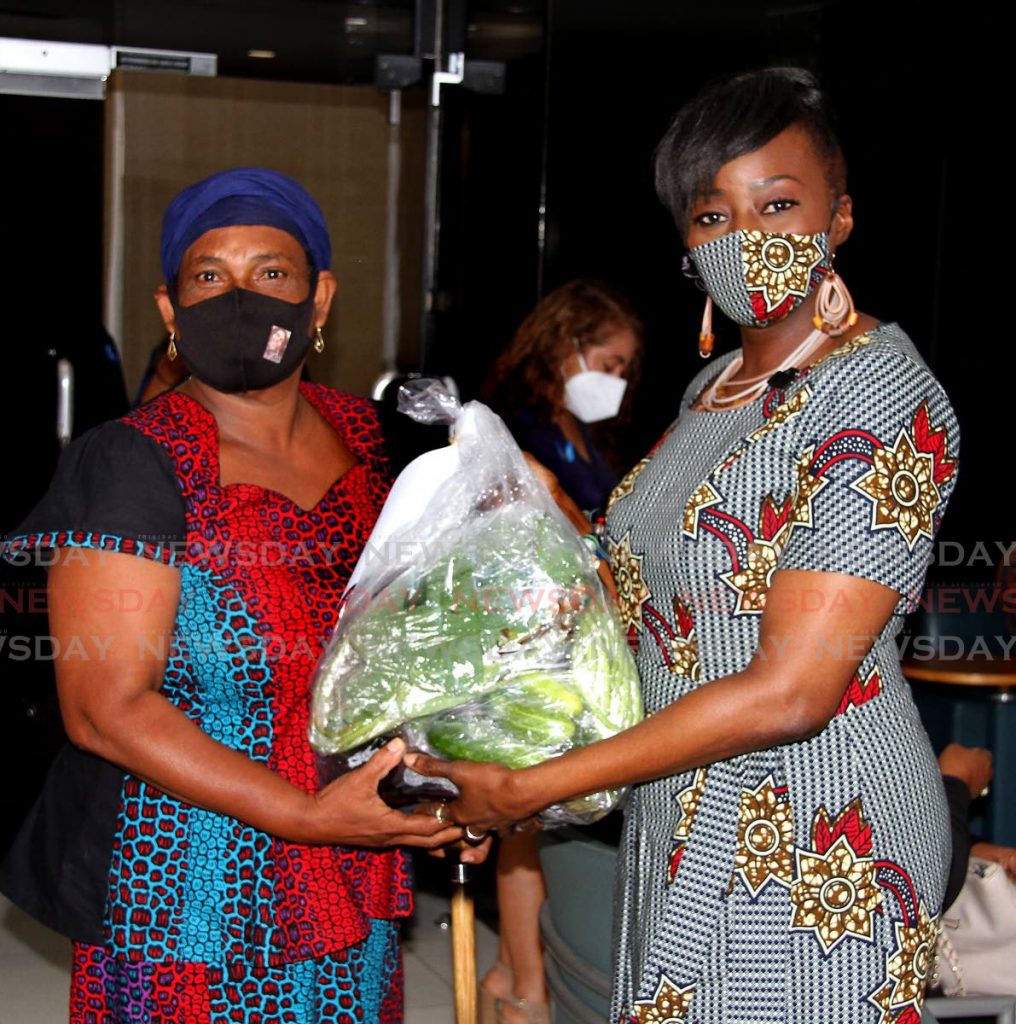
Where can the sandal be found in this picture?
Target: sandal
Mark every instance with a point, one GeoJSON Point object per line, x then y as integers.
{"type": "Point", "coordinates": [522, 1011]}
{"type": "Point", "coordinates": [496, 987]}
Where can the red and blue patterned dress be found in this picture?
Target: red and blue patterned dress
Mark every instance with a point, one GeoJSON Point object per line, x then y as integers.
{"type": "Point", "coordinates": [181, 915]}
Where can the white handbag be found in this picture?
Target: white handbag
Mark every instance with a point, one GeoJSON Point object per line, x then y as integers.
{"type": "Point", "coordinates": [977, 940]}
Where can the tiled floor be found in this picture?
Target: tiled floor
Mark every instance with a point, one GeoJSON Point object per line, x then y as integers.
{"type": "Point", "coordinates": [427, 954]}
{"type": "Point", "coordinates": [34, 963]}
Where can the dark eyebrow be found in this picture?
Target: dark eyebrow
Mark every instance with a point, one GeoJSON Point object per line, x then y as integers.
{"type": "Point", "coordinates": [219, 261]}
{"type": "Point", "coordinates": [775, 178]}
{"type": "Point", "coordinates": [274, 256]}
{"type": "Point", "coordinates": [711, 193]}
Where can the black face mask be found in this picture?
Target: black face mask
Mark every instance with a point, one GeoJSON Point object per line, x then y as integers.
{"type": "Point", "coordinates": [243, 340]}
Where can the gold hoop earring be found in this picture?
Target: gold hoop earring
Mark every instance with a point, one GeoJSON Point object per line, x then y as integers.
{"type": "Point", "coordinates": [171, 347]}
{"type": "Point", "coordinates": [706, 336]}
{"type": "Point", "coordinates": [319, 341]}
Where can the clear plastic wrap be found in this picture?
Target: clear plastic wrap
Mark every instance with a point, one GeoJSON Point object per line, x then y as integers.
{"type": "Point", "coordinates": [475, 624]}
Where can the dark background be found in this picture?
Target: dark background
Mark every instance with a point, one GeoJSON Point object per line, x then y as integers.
{"type": "Point", "coordinates": [553, 179]}
{"type": "Point", "coordinates": [921, 89]}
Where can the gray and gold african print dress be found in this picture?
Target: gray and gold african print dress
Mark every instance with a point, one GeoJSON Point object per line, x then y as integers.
{"type": "Point", "coordinates": [800, 883]}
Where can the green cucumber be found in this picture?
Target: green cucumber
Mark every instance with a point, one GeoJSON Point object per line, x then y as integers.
{"type": "Point", "coordinates": [543, 688]}
{"type": "Point", "coordinates": [534, 724]}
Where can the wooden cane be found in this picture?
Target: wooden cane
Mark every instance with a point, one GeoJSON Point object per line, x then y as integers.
{"type": "Point", "coordinates": [463, 946]}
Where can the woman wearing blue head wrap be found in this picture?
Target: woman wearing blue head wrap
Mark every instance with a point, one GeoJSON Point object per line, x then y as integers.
{"type": "Point", "coordinates": [182, 840]}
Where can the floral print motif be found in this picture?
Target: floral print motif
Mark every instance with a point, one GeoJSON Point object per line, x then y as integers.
{"type": "Point", "coordinates": [903, 483]}
{"type": "Point", "coordinates": [773, 519]}
{"type": "Point", "coordinates": [835, 893]}
{"type": "Point", "coordinates": [752, 580]}
{"type": "Point", "coordinates": [881, 999]}
{"type": "Point", "coordinates": [900, 480]}
{"type": "Point", "coordinates": [632, 591]}
{"type": "Point", "coordinates": [909, 1014]}
{"type": "Point", "coordinates": [934, 441]}
{"type": "Point", "coordinates": [765, 837]}
{"type": "Point", "coordinates": [667, 1005]}
{"type": "Point", "coordinates": [778, 266]}
{"type": "Point", "coordinates": [859, 692]}
{"type": "Point", "coordinates": [902, 488]}
{"type": "Point", "coordinates": [684, 645]}
{"type": "Point", "coordinates": [688, 800]}
{"type": "Point", "coordinates": [703, 497]}
{"type": "Point", "coordinates": [850, 823]}
{"type": "Point", "coordinates": [910, 964]}
{"type": "Point", "coordinates": [624, 485]}
{"type": "Point", "coordinates": [751, 577]}
{"type": "Point", "coordinates": [806, 488]}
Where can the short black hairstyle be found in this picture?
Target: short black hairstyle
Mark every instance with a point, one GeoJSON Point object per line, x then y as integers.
{"type": "Point", "coordinates": [734, 116]}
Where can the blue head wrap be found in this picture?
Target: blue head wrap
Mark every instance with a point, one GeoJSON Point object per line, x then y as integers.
{"type": "Point", "coordinates": [243, 195]}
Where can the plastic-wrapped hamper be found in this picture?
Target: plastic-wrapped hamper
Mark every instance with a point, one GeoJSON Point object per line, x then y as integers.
{"type": "Point", "coordinates": [475, 624]}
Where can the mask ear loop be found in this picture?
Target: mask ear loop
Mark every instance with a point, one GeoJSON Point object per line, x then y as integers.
{"type": "Point", "coordinates": [578, 351]}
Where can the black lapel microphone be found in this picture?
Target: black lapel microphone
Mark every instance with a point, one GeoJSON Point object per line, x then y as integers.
{"type": "Point", "coordinates": [781, 378]}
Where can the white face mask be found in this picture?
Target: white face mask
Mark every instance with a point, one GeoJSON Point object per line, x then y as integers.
{"type": "Point", "coordinates": [593, 395]}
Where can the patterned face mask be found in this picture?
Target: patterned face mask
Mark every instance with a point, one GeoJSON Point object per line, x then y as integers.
{"type": "Point", "coordinates": [760, 277]}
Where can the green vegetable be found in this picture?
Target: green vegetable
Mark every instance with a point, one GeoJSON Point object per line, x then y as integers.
{"type": "Point", "coordinates": [434, 639]}
{"type": "Point", "coordinates": [544, 689]}
{"type": "Point", "coordinates": [448, 739]}
{"type": "Point", "coordinates": [502, 648]}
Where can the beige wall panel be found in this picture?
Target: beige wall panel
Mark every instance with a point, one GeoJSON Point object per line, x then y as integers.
{"type": "Point", "coordinates": [413, 138]}
{"type": "Point", "coordinates": [166, 131]}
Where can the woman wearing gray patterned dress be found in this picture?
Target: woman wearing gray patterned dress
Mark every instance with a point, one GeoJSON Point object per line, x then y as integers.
{"type": "Point", "coordinates": [786, 840]}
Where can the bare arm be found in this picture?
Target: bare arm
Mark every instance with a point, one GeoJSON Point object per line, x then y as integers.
{"type": "Point", "coordinates": [815, 631]}
{"type": "Point", "coordinates": [112, 707]}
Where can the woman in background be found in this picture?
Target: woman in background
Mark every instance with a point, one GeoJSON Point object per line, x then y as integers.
{"type": "Point", "coordinates": [570, 365]}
